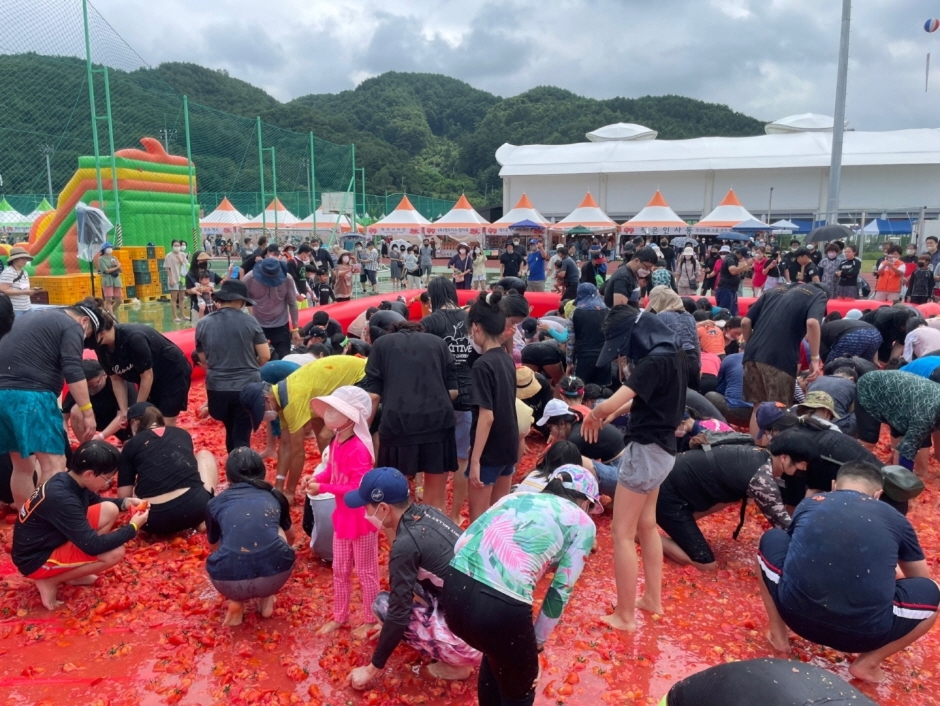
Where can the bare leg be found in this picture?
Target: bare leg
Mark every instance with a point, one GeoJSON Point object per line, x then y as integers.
{"type": "Point", "coordinates": [21, 482]}
{"type": "Point", "coordinates": [208, 470]}
{"type": "Point", "coordinates": [868, 665]}
{"type": "Point", "coordinates": [449, 672]}
{"type": "Point", "coordinates": [283, 457]}
{"type": "Point", "coordinates": [460, 490]}
{"type": "Point", "coordinates": [296, 463]}
{"type": "Point", "coordinates": [778, 636]}
{"type": "Point", "coordinates": [435, 490]}
{"type": "Point", "coordinates": [628, 507]}
{"type": "Point", "coordinates": [170, 421]}
{"type": "Point", "coordinates": [676, 553]}
{"type": "Point", "coordinates": [49, 465]}
{"type": "Point", "coordinates": [270, 449]}
{"type": "Point", "coordinates": [500, 488]}
{"type": "Point", "coordinates": [479, 500]}
{"type": "Point", "coordinates": [652, 546]}
{"type": "Point", "coordinates": [234, 615]}
{"type": "Point", "coordinates": [266, 606]}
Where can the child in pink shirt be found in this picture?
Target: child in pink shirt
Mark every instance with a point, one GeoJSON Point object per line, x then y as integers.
{"type": "Point", "coordinates": [355, 540]}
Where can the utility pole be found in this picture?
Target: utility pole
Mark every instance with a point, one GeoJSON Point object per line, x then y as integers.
{"type": "Point", "coordinates": [770, 204]}
{"type": "Point", "coordinates": [48, 151]}
{"type": "Point", "coordinates": [166, 133]}
{"type": "Point", "coordinates": [838, 125]}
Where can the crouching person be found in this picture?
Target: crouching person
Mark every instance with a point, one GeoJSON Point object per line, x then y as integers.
{"type": "Point", "coordinates": [418, 564]}
{"type": "Point", "coordinates": [64, 531]}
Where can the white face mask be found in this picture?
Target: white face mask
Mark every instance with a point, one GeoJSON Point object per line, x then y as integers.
{"type": "Point", "coordinates": [335, 421]}
{"type": "Point", "coordinates": [314, 247]}
{"type": "Point", "coordinates": [831, 255]}
{"type": "Point", "coordinates": [643, 273]}
{"type": "Point", "coordinates": [270, 415]}
{"type": "Point", "coordinates": [108, 251]}
{"type": "Point", "coordinates": [183, 247]}
{"type": "Point", "coordinates": [176, 248]}
{"type": "Point", "coordinates": [375, 521]}
{"type": "Point", "coordinates": [474, 346]}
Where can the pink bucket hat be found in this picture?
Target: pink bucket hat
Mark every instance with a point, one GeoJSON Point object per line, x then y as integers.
{"type": "Point", "coordinates": [353, 403]}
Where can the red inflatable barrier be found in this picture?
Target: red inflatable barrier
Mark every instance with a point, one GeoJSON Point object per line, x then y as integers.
{"type": "Point", "coordinates": [541, 302]}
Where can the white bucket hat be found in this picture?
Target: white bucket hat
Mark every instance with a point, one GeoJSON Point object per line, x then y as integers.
{"type": "Point", "coordinates": [353, 403]}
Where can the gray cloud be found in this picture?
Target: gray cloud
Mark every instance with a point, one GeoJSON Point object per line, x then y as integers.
{"type": "Point", "coordinates": [764, 58]}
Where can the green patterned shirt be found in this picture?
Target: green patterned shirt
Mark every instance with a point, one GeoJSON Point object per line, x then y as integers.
{"type": "Point", "coordinates": [910, 404]}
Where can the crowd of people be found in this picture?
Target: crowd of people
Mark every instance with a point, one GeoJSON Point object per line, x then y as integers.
{"type": "Point", "coordinates": [655, 404]}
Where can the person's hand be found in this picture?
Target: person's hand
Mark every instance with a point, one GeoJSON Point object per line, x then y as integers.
{"type": "Point", "coordinates": [130, 503]}
{"type": "Point", "coordinates": [313, 488]}
{"type": "Point", "coordinates": [815, 369]}
{"type": "Point", "coordinates": [475, 480]}
{"type": "Point", "coordinates": [591, 426]}
{"type": "Point", "coordinates": [231, 268]}
{"type": "Point", "coordinates": [140, 518]}
{"type": "Point", "coordinates": [295, 338]}
{"type": "Point", "coordinates": [360, 677]}
{"type": "Point", "coordinates": [88, 417]}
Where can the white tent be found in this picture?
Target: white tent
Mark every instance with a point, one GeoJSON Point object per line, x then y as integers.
{"type": "Point", "coordinates": [522, 211]}
{"type": "Point", "coordinates": [589, 215]}
{"type": "Point", "coordinates": [404, 222]}
{"type": "Point", "coordinates": [12, 220]}
{"type": "Point", "coordinates": [462, 222]}
{"type": "Point", "coordinates": [725, 216]}
{"type": "Point", "coordinates": [224, 219]}
{"type": "Point", "coordinates": [804, 122]}
{"type": "Point", "coordinates": [274, 215]}
{"type": "Point", "coordinates": [656, 219]}
{"type": "Point", "coordinates": [621, 131]}
{"type": "Point", "coordinates": [785, 225]}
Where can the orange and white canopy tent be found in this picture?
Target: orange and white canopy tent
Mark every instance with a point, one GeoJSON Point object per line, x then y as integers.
{"type": "Point", "coordinates": [326, 222]}
{"type": "Point", "coordinates": [274, 214]}
{"type": "Point", "coordinates": [461, 222]}
{"type": "Point", "coordinates": [656, 219]}
{"type": "Point", "coordinates": [522, 211]}
{"type": "Point", "coordinates": [404, 222]}
{"type": "Point", "coordinates": [224, 219]}
{"type": "Point", "coordinates": [726, 216]}
{"type": "Point", "coordinates": [588, 215]}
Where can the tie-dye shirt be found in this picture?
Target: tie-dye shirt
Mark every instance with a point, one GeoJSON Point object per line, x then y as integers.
{"type": "Point", "coordinates": [511, 546]}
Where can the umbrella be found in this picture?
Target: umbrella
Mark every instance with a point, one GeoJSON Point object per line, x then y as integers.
{"type": "Point", "coordinates": [400, 243]}
{"type": "Point", "coordinates": [731, 235]}
{"type": "Point", "coordinates": [751, 225]}
{"type": "Point", "coordinates": [528, 225]}
{"type": "Point", "coordinates": [680, 241]}
{"type": "Point", "coordinates": [579, 230]}
{"type": "Point", "coordinates": [826, 234]}
{"type": "Point", "coordinates": [786, 225]}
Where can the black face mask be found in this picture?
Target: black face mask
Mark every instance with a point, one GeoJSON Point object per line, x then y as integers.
{"type": "Point", "coordinates": [203, 265]}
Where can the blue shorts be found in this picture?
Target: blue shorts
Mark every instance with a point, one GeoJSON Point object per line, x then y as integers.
{"type": "Point", "coordinates": [915, 600]}
{"type": "Point", "coordinates": [606, 478]}
{"type": "Point", "coordinates": [490, 474]}
{"type": "Point", "coordinates": [31, 422]}
{"type": "Point", "coordinates": [464, 421]}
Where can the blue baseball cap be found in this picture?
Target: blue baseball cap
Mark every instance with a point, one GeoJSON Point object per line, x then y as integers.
{"type": "Point", "coordinates": [380, 485]}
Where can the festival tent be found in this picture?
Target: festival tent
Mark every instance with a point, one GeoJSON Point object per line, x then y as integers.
{"type": "Point", "coordinates": [224, 219]}
{"type": "Point", "coordinates": [522, 211]}
{"type": "Point", "coordinates": [656, 219]}
{"type": "Point", "coordinates": [882, 226]}
{"type": "Point", "coordinates": [43, 208]}
{"type": "Point", "coordinates": [11, 220]}
{"type": "Point", "coordinates": [462, 222]}
{"type": "Point", "coordinates": [784, 224]}
{"type": "Point", "coordinates": [589, 215]}
{"type": "Point", "coordinates": [404, 222]}
{"type": "Point", "coordinates": [725, 216]}
{"type": "Point", "coordinates": [274, 215]}
{"type": "Point", "coordinates": [329, 221]}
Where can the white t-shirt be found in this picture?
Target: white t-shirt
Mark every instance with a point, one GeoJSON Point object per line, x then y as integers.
{"type": "Point", "coordinates": [17, 280]}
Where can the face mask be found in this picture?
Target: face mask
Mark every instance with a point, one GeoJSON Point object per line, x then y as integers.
{"type": "Point", "coordinates": [474, 346]}
{"type": "Point", "coordinates": [375, 521]}
{"type": "Point", "coordinates": [334, 420]}
{"type": "Point", "coordinates": [176, 248]}
{"type": "Point", "coordinates": [911, 253]}
{"type": "Point", "coordinates": [108, 251]}
{"type": "Point", "coordinates": [892, 258]}
{"type": "Point", "coordinates": [183, 247]}
{"type": "Point", "coordinates": [270, 415]}
{"type": "Point", "coordinates": [203, 265]}
{"type": "Point", "coordinates": [794, 248]}
{"type": "Point", "coordinates": [831, 255]}
{"type": "Point", "coordinates": [643, 273]}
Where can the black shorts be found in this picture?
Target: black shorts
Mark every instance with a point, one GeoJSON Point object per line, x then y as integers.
{"type": "Point", "coordinates": [542, 354]}
{"type": "Point", "coordinates": [869, 428]}
{"type": "Point", "coordinates": [433, 457]}
{"type": "Point", "coordinates": [367, 275]}
{"type": "Point", "coordinates": [915, 600]}
{"type": "Point", "coordinates": [188, 511]}
{"type": "Point", "coordinates": [676, 518]}
{"type": "Point", "coordinates": [171, 400]}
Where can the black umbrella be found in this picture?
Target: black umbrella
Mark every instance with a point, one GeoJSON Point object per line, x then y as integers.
{"type": "Point", "coordinates": [826, 234]}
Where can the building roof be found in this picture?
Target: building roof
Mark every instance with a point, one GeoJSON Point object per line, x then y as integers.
{"type": "Point", "coordinates": [791, 150]}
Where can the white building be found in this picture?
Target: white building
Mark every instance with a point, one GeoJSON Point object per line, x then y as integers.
{"type": "Point", "coordinates": [897, 172]}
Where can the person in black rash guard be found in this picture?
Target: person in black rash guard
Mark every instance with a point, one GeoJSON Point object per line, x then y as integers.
{"type": "Point", "coordinates": [891, 322]}
{"type": "Point", "coordinates": [323, 320]}
{"type": "Point", "coordinates": [765, 682]}
{"type": "Point", "coordinates": [545, 357]}
{"type": "Point", "coordinates": [849, 573]}
{"type": "Point", "coordinates": [63, 531]}
{"type": "Point", "coordinates": [158, 464]}
{"type": "Point", "coordinates": [702, 482]}
{"type": "Point", "coordinates": [108, 415]}
{"type": "Point", "coordinates": [142, 355]}
{"type": "Point", "coordinates": [418, 565]}
{"type": "Point", "coordinates": [848, 337]}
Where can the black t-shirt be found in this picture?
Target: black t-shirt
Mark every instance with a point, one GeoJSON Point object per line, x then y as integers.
{"type": "Point", "coordinates": [104, 404]}
{"type": "Point", "coordinates": [891, 321]}
{"type": "Point", "coordinates": [779, 325]}
{"type": "Point", "coordinates": [859, 541]}
{"type": "Point", "coordinates": [807, 272]}
{"type": "Point", "coordinates": [451, 325]}
{"type": "Point", "coordinates": [660, 383]}
{"type": "Point", "coordinates": [609, 444]}
{"type": "Point", "coordinates": [541, 354]}
{"type": "Point", "coordinates": [192, 280]}
{"type": "Point", "coordinates": [494, 388]}
{"type": "Point", "coordinates": [138, 348]}
{"type": "Point", "coordinates": [848, 272]}
{"type": "Point", "coordinates": [703, 484]}
{"type": "Point", "coordinates": [791, 265]}
{"type": "Point", "coordinates": [727, 280]}
{"type": "Point", "coordinates": [157, 461]}
{"type": "Point", "coordinates": [832, 331]}
{"type": "Point", "coordinates": [624, 282]}
{"type": "Point", "coordinates": [244, 520]}
{"type": "Point", "coordinates": [511, 262]}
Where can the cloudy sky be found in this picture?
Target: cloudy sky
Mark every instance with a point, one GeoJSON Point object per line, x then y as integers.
{"type": "Point", "coordinates": [766, 58]}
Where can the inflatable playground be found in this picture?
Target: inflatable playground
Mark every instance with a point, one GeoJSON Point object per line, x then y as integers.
{"type": "Point", "coordinates": [154, 197]}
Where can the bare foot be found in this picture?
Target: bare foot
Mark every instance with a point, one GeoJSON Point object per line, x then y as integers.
{"type": "Point", "coordinates": [48, 593]}
{"type": "Point", "coordinates": [266, 607]}
{"type": "Point", "coordinates": [644, 603]}
{"type": "Point", "coordinates": [865, 671]}
{"type": "Point", "coordinates": [269, 453]}
{"type": "Point", "coordinates": [782, 645]}
{"type": "Point", "coordinates": [329, 628]}
{"type": "Point", "coordinates": [235, 614]}
{"type": "Point", "coordinates": [365, 630]}
{"type": "Point", "coordinates": [439, 670]}
{"type": "Point", "coordinates": [618, 623]}
{"type": "Point", "coordinates": [83, 581]}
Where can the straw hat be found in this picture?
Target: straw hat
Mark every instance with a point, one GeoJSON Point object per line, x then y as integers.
{"type": "Point", "coordinates": [526, 384]}
{"type": "Point", "coordinates": [18, 253]}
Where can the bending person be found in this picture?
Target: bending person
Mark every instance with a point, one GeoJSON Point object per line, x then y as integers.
{"type": "Point", "coordinates": [109, 419]}
{"type": "Point", "coordinates": [158, 465]}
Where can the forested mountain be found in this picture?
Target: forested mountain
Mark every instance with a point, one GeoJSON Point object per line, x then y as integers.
{"type": "Point", "coordinates": [424, 133]}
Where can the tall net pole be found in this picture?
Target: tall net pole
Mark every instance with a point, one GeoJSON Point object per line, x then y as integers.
{"type": "Point", "coordinates": [118, 230]}
{"type": "Point", "coordinates": [313, 187]}
{"type": "Point", "coordinates": [264, 214]}
{"type": "Point", "coordinates": [191, 177]}
{"type": "Point", "coordinates": [91, 99]}
{"type": "Point", "coordinates": [835, 163]}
